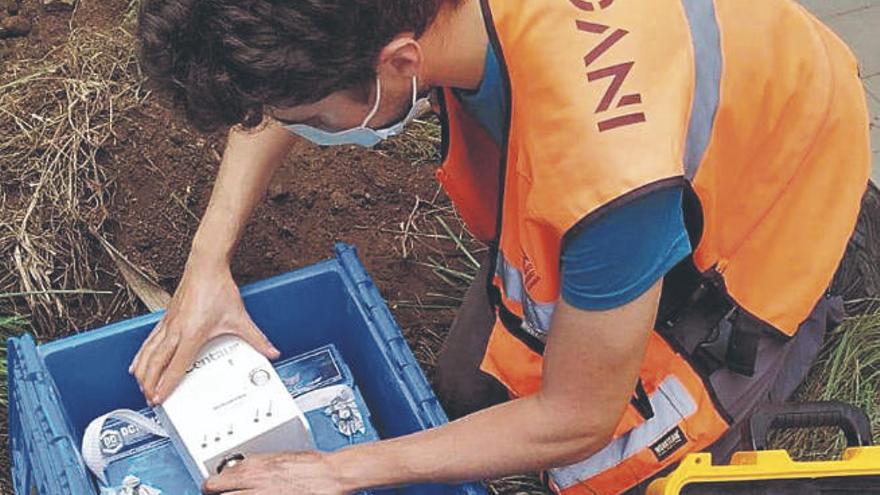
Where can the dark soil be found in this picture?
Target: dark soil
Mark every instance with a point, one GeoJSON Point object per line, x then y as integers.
{"type": "Point", "coordinates": [162, 171]}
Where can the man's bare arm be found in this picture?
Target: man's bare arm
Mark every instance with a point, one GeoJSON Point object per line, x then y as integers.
{"type": "Point", "coordinates": [249, 161]}
{"type": "Point", "coordinates": [207, 302]}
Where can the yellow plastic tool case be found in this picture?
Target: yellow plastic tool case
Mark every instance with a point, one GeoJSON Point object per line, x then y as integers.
{"type": "Point", "coordinates": [773, 472]}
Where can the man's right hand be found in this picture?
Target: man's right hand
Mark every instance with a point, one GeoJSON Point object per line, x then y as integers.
{"type": "Point", "coordinates": [206, 304]}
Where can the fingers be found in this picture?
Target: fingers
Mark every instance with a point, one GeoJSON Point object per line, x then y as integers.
{"type": "Point", "coordinates": [257, 339]}
{"type": "Point", "coordinates": [137, 357]}
{"type": "Point", "coordinates": [232, 478]}
{"type": "Point", "coordinates": [157, 361]}
{"type": "Point", "coordinates": [165, 355]}
{"type": "Point", "coordinates": [173, 373]}
{"type": "Point", "coordinates": [139, 363]}
{"type": "Point", "coordinates": [251, 476]}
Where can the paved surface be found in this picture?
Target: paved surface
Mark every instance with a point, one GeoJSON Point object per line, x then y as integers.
{"type": "Point", "coordinates": [858, 22]}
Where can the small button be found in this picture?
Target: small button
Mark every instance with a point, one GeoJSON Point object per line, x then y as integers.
{"type": "Point", "coordinates": [260, 377]}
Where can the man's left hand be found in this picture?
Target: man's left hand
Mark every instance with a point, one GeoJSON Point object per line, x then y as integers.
{"type": "Point", "coordinates": [300, 473]}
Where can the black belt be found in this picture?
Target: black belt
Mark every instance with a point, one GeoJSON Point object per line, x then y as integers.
{"type": "Point", "coordinates": [717, 333]}
{"type": "Point", "coordinates": [732, 343]}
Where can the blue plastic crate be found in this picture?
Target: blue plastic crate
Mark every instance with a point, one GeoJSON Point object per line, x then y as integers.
{"type": "Point", "coordinates": [55, 389]}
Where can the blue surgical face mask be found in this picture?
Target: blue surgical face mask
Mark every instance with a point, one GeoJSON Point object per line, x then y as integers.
{"type": "Point", "coordinates": [363, 135]}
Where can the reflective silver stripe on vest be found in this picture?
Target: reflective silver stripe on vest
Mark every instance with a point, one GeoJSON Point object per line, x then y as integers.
{"type": "Point", "coordinates": [706, 39]}
{"type": "Point", "coordinates": [671, 402]}
{"type": "Point", "coordinates": [536, 316]}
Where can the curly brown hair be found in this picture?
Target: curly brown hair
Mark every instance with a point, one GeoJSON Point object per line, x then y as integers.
{"type": "Point", "coordinates": [224, 61]}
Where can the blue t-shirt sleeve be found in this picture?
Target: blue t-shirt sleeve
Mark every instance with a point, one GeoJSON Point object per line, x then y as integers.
{"type": "Point", "coordinates": [620, 256]}
{"type": "Point", "coordinates": [623, 254]}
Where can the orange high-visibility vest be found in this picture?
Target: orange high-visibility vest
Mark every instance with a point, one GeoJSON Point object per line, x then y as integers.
{"type": "Point", "coordinates": [752, 103]}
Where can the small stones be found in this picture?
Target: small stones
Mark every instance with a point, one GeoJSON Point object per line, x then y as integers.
{"type": "Point", "coordinates": [56, 5]}
{"type": "Point", "coordinates": [278, 192]}
{"type": "Point", "coordinates": [15, 26]}
{"type": "Point", "coordinates": [338, 201]}
{"type": "Point", "coordinates": [12, 6]}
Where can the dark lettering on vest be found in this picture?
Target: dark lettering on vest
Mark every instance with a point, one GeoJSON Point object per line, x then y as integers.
{"type": "Point", "coordinates": [617, 72]}
{"type": "Point", "coordinates": [629, 119]}
{"type": "Point", "coordinates": [669, 444]}
{"type": "Point", "coordinates": [590, 6]}
{"type": "Point", "coordinates": [604, 45]}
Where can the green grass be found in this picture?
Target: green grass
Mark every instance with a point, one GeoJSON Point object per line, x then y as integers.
{"type": "Point", "coordinates": [853, 365]}
{"type": "Point", "coordinates": [419, 143]}
{"type": "Point", "coordinates": [847, 371]}
{"type": "Point", "coordinates": [9, 326]}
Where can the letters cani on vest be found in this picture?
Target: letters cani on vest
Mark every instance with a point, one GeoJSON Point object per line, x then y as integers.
{"type": "Point", "coordinates": [754, 104]}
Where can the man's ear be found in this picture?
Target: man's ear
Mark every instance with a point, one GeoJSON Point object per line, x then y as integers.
{"type": "Point", "coordinates": [400, 58]}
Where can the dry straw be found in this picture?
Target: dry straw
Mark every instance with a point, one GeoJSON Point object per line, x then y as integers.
{"type": "Point", "coordinates": [57, 115]}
